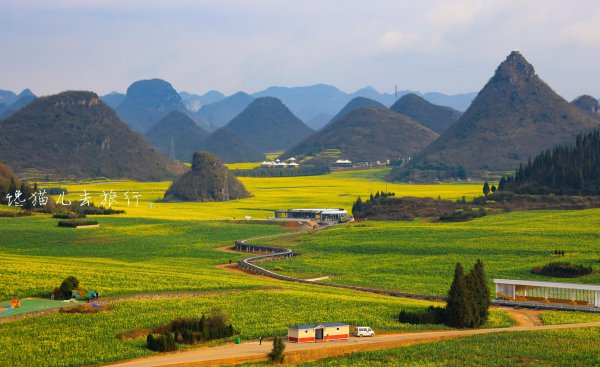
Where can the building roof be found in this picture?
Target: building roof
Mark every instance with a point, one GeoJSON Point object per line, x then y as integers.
{"type": "Point", "coordinates": [313, 326]}
{"type": "Point", "coordinates": [535, 283]}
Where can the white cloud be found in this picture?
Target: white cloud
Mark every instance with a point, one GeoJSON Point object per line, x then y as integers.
{"type": "Point", "coordinates": [585, 33]}
{"type": "Point", "coordinates": [452, 13]}
{"type": "Point", "coordinates": [397, 41]}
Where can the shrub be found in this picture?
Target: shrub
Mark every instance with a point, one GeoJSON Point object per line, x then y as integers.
{"type": "Point", "coordinates": [74, 223]}
{"type": "Point", "coordinates": [563, 270]}
{"type": "Point", "coordinates": [276, 355]}
{"type": "Point", "coordinates": [432, 315]}
{"type": "Point", "coordinates": [164, 342]}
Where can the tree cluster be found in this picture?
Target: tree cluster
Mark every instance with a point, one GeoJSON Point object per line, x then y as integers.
{"type": "Point", "coordinates": [468, 298]}
{"type": "Point", "coordinates": [359, 207]}
{"type": "Point", "coordinates": [189, 331]}
{"type": "Point", "coordinates": [66, 288]}
{"type": "Point", "coordinates": [467, 304]}
{"type": "Point", "coordinates": [565, 170]}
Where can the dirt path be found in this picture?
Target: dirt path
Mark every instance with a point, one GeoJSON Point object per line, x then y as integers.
{"type": "Point", "coordinates": [232, 354]}
{"type": "Point", "coordinates": [523, 317]}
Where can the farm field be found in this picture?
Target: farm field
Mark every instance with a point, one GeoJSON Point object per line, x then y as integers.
{"type": "Point", "coordinates": [335, 190]}
{"type": "Point", "coordinates": [419, 257]}
{"type": "Point", "coordinates": [66, 339]}
{"type": "Point", "coordinates": [125, 255]}
{"type": "Point", "coordinates": [171, 247]}
{"type": "Point", "coordinates": [531, 348]}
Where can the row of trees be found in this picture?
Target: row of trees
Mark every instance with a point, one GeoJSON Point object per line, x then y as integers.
{"type": "Point", "coordinates": [565, 170]}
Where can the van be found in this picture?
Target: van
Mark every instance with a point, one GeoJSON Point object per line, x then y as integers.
{"type": "Point", "coordinates": [363, 331]}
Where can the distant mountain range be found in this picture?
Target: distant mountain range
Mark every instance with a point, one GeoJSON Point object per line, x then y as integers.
{"type": "Point", "coordinates": [219, 113]}
{"type": "Point", "coordinates": [514, 117]}
{"type": "Point", "coordinates": [10, 103]}
{"type": "Point", "coordinates": [74, 135]}
{"type": "Point", "coordinates": [589, 105]}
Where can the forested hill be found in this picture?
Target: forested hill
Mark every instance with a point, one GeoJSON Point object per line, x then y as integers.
{"type": "Point", "coordinates": [565, 170]}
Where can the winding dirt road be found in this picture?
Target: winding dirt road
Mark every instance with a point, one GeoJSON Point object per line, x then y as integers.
{"type": "Point", "coordinates": [232, 354]}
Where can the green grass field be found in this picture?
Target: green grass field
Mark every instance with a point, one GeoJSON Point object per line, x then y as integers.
{"type": "Point", "coordinates": [419, 257]}
{"type": "Point", "coordinates": [175, 247]}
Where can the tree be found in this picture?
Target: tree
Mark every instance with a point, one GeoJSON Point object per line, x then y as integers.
{"type": "Point", "coordinates": [276, 355]}
{"type": "Point", "coordinates": [458, 307]}
{"type": "Point", "coordinates": [502, 183]}
{"type": "Point", "coordinates": [486, 188]}
{"type": "Point", "coordinates": [480, 295]}
{"type": "Point", "coordinates": [493, 188]}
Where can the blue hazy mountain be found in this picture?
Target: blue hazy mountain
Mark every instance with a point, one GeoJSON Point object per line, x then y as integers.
{"type": "Point", "coordinates": [18, 102]}
{"type": "Point", "coordinates": [310, 101]}
{"type": "Point", "coordinates": [113, 99]}
{"type": "Point", "coordinates": [193, 102]}
{"type": "Point", "coordinates": [148, 101]}
{"type": "Point", "coordinates": [219, 114]}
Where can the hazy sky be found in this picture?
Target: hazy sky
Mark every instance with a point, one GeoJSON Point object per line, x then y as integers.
{"type": "Point", "coordinates": [425, 45]}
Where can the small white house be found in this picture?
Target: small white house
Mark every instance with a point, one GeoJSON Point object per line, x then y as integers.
{"type": "Point", "coordinates": [315, 333]}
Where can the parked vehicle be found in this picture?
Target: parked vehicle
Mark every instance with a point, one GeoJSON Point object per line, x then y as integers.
{"type": "Point", "coordinates": [363, 331]}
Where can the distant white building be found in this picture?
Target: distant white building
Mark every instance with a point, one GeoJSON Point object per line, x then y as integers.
{"type": "Point", "coordinates": [342, 163]}
{"type": "Point", "coordinates": [289, 163]}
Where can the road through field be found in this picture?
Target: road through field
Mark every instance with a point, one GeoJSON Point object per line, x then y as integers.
{"type": "Point", "coordinates": [232, 354]}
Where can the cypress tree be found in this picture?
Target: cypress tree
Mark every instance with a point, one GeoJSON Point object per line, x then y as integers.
{"type": "Point", "coordinates": [481, 292]}
{"type": "Point", "coordinates": [276, 355]}
{"type": "Point", "coordinates": [458, 308]}
{"type": "Point", "coordinates": [486, 188]}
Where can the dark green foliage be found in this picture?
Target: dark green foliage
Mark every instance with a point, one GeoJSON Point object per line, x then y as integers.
{"type": "Point", "coordinates": [560, 253]}
{"type": "Point", "coordinates": [432, 315]}
{"type": "Point", "coordinates": [64, 291]}
{"type": "Point", "coordinates": [458, 306]}
{"type": "Point", "coordinates": [282, 172]}
{"type": "Point", "coordinates": [565, 170]}
{"type": "Point", "coordinates": [164, 342]}
{"type": "Point", "coordinates": [469, 298]}
{"type": "Point", "coordinates": [209, 180]}
{"type": "Point", "coordinates": [190, 331]}
{"type": "Point", "coordinates": [276, 355]}
{"type": "Point", "coordinates": [368, 134]}
{"type": "Point", "coordinates": [480, 294]}
{"type": "Point", "coordinates": [73, 223]}
{"type": "Point", "coordinates": [563, 269]}
{"type": "Point", "coordinates": [486, 188]}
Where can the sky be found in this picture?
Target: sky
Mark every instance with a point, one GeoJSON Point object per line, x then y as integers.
{"type": "Point", "coordinates": [231, 45]}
